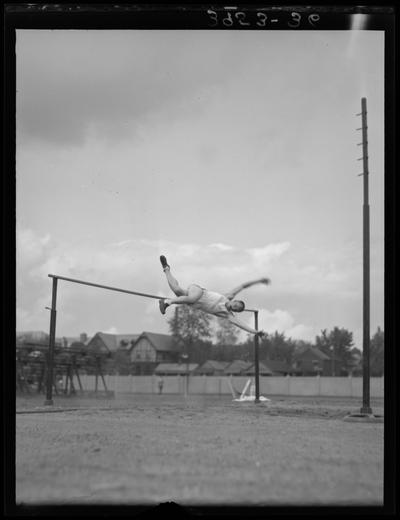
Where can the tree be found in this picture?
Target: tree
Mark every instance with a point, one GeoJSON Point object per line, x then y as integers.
{"type": "Point", "coordinates": [356, 365]}
{"type": "Point", "coordinates": [190, 326]}
{"type": "Point", "coordinates": [277, 347]}
{"type": "Point", "coordinates": [227, 333]}
{"type": "Point", "coordinates": [226, 336]}
{"type": "Point", "coordinates": [322, 342]}
{"type": "Point", "coordinates": [200, 351]}
{"type": "Point", "coordinates": [376, 352]}
{"type": "Point", "coordinates": [338, 344]}
{"type": "Point", "coordinates": [300, 346]}
{"type": "Point", "coordinates": [245, 350]}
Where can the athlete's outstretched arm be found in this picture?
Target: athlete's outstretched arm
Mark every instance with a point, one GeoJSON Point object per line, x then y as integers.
{"type": "Point", "coordinates": [231, 294]}
{"type": "Point", "coordinates": [241, 325]}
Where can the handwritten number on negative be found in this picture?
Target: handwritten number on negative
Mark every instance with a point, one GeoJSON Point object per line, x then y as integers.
{"type": "Point", "coordinates": [262, 19]}
{"type": "Point", "coordinates": [228, 21]}
{"type": "Point", "coordinates": [296, 20]}
{"type": "Point", "coordinates": [214, 17]}
{"type": "Point", "coordinates": [241, 17]}
{"type": "Point", "coordinates": [313, 19]}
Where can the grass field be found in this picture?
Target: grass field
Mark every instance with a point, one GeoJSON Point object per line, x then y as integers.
{"type": "Point", "coordinates": [150, 449]}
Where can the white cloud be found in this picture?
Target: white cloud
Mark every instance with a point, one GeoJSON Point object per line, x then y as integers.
{"type": "Point", "coordinates": [282, 321]}
{"type": "Point", "coordinates": [263, 256]}
{"type": "Point", "coordinates": [301, 332]}
{"type": "Point", "coordinates": [277, 320]}
{"type": "Point", "coordinates": [32, 314]}
{"type": "Point", "coordinates": [30, 247]}
{"type": "Point", "coordinates": [111, 330]}
{"type": "Point", "coordinates": [222, 247]}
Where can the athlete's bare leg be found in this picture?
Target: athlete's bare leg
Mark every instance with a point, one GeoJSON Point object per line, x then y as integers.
{"type": "Point", "coordinates": [183, 296]}
{"type": "Point", "coordinates": [193, 293]}
{"type": "Point", "coordinates": [172, 282]}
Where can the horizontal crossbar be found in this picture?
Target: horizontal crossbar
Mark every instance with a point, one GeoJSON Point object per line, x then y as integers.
{"type": "Point", "coordinates": [108, 287]}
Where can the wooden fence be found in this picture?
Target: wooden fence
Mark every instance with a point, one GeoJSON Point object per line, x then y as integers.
{"type": "Point", "coordinates": [221, 385]}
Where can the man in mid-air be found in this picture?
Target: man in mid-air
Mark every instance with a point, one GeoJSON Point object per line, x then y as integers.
{"type": "Point", "coordinates": [220, 305]}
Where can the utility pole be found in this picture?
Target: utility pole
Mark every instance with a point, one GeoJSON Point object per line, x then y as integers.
{"type": "Point", "coordinates": [366, 408]}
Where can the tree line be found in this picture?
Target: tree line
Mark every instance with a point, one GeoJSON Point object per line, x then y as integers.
{"type": "Point", "coordinates": [204, 337]}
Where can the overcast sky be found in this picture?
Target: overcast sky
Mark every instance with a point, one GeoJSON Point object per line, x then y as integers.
{"type": "Point", "coordinates": [232, 153]}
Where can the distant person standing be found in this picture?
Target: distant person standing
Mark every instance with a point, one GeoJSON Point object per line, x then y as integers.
{"type": "Point", "coordinates": [160, 383]}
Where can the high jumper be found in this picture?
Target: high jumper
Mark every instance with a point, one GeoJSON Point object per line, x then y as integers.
{"type": "Point", "coordinates": [220, 305]}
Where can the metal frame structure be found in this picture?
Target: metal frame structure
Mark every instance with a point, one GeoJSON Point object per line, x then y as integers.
{"type": "Point", "coordinates": [256, 357]}
{"type": "Point", "coordinates": [53, 319]}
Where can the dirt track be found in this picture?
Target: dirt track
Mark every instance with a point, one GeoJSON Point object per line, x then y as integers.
{"type": "Point", "coordinates": [153, 449]}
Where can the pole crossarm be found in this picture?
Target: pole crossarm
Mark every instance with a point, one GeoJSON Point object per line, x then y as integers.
{"type": "Point", "coordinates": [108, 287]}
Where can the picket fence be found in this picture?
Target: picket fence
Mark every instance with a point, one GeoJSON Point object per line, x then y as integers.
{"type": "Point", "coordinates": [222, 385]}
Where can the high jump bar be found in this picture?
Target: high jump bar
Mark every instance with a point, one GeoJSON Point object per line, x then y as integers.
{"type": "Point", "coordinates": [73, 280]}
{"type": "Point", "coordinates": [53, 313]}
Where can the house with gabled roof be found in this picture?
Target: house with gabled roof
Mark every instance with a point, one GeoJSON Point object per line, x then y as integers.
{"type": "Point", "coordinates": [312, 361]}
{"type": "Point", "coordinates": [151, 349]}
{"type": "Point", "coordinates": [212, 367]}
{"type": "Point", "coordinates": [237, 367]}
{"type": "Point", "coordinates": [82, 340]}
{"type": "Point", "coordinates": [262, 368]}
{"type": "Point", "coordinates": [279, 367]}
{"type": "Point", "coordinates": [105, 343]}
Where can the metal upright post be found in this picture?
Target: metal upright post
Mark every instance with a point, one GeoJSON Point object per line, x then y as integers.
{"type": "Point", "coordinates": [256, 361]}
{"type": "Point", "coordinates": [50, 354]}
{"type": "Point", "coordinates": [366, 408]}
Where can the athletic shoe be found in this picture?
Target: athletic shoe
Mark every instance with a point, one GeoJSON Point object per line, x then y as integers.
{"type": "Point", "coordinates": [163, 261]}
{"type": "Point", "coordinates": [162, 306]}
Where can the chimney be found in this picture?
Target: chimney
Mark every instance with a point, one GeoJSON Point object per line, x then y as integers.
{"type": "Point", "coordinates": [83, 337]}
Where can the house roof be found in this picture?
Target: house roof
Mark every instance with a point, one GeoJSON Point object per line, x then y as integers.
{"type": "Point", "coordinates": [311, 352]}
{"type": "Point", "coordinates": [214, 365]}
{"type": "Point", "coordinates": [263, 369]}
{"type": "Point", "coordinates": [76, 339]}
{"type": "Point", "coordinates": [276, 365]}
{"type": "Point", "coordinates": [237, 366]}
{"type": "Point", "coordinates": [113, 341]}
{"type": "Point", "coordinates": [127, 338]}
{"type": "Point", "coordinates": [175, 368]}
{"type": "Point", "coordinates": [319, 354]}
{"type": "Point", "coordinates": [161, 342]}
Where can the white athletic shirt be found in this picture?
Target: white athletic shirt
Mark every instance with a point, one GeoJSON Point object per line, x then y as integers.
{"type": "Point", "coordinates": [212, 303]}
